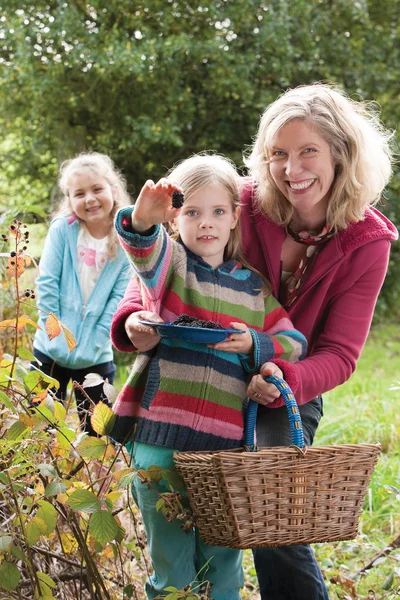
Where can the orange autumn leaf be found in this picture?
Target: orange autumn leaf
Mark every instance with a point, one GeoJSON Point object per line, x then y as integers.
{"type": "Point", "coordinates": [22, 321]}
{"type": "Point", "coordinates": [53, 328]}
{"type": "Point", "coordinates": [15, 265]}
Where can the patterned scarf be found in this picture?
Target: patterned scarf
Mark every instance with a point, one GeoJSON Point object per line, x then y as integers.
{"type": "Point", "coordinates": [314, 242]}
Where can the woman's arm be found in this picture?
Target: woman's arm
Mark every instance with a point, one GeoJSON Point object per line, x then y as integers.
{"type": "Point", "coordinates": [335, 352]}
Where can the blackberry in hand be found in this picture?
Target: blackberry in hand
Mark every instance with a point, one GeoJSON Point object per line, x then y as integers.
{"type": "Point", "coordinates": [177, 199]}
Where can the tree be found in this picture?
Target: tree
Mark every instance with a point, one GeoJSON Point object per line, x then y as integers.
{"type": "Point", "coordinates": [151, 82]}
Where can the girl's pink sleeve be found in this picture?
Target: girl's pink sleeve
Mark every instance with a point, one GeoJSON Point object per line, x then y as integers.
{"type": "Point", "coordinates": [130, 303]}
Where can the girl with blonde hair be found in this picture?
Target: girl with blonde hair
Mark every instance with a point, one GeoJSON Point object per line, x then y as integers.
{"type": "Point", "coordinates": [186, 395]}
{"type": "Point", "coordinates": [83, 276]}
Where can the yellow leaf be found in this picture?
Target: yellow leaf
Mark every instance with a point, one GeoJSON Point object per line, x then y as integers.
{"type": "Point", "coordinates": [69, 543]}
{"type": "Point", "coordinates": [7, 323]}
{"type": "Point", "coordinates": [22, 321]}
{"type": "Point", "coordinates": [102, 419]}
{"type": "Point", "coordinates": [69, 337]}
{"type": "Point", "coordinates": [53, 328]}
{"type": "Point", "coordinates": [25, 320]}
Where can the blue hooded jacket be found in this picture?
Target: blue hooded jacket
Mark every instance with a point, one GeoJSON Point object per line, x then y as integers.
{"type": "Point", "coordinates": [59, 292]}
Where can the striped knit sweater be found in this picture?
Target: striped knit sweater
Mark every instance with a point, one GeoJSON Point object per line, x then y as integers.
{"type": "Point", "coordinates": [184, 395]}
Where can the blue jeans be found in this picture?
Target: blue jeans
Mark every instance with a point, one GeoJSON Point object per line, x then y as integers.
{"type": "Point", "coordinates": [288, 572]}
{"type": "Point", "coordinates": [176, 556]}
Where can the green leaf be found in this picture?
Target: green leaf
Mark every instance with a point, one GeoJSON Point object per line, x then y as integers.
{"type": "Point", "coordinates": [35, 529]}
{"type": "Point", "coordinates": [388, 582]}
{"type": "Point", "coordinates": [83, 500]}
{"type": "Point", "coordinates": [17, 552]}
{"type": "Point", "coordinates": [54, 488]}
{"type": "Point", "coordinates": [102, 419]}
{"type": "Point", "coordinates": [65, 436]}
{"type": "Point", "coordinates": [128, 591]}
{"type": "Point", "coordinates": [172, 477]}
{"type": "Point", "coordinates": [127, 478]}
{"type": "Point", "coordinates": [159, 504]}
{"type": "Point", "coordinates": [5, 541]}
{"type": "Point", "coordinates": [47, 470]}
{"type": "Point", "coordinates": [38, 381]}
{"type": "Point", "coordinates": [48, 513]}
{"type": "Point", "coordinates": [92, 447]}
{"type": "Point", "coordinates": [46, 579]}
{"type": "Point", "coordinates": [16, 430]}
{"type": "Point", "coordinates": [155, 473]}
{"type": "Point", "coordinates": [7, 402]}
{"type": "Point", "coordinates": [25, 354]}
{"type": "Point", "coordinates": [9, 576]}
{"type": "Point", "coordinates": [103, 527]}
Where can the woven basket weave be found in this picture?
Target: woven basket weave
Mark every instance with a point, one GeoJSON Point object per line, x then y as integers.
{"type": "Point", "coordinates": [278, 496]}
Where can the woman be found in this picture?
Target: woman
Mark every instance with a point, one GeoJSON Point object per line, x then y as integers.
{"type": "Point", "coordinates": [317, 164]}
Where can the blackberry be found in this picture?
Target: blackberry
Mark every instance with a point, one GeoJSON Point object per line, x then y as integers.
{"type": "Point", "coordinates": [186, 321]}
{"type": "Point", "coordinates": [177, 199]}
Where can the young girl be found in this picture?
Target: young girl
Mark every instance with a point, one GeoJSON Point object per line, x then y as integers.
{"type": "Point", "coordinates": [187, 395]}
{"type": "Point", "coordinates": [83, 275]}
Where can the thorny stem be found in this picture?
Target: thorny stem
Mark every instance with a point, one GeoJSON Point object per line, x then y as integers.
{"type": "Point", "coordinates": [28, 549]}
{"type": "Point", "coordinates": [16, 314]}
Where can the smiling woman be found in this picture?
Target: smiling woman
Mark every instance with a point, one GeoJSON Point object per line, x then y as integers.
{"type": "Point", "coordinates": [318, 161]}
{"type": "Point", "coordinates": [303, 169]}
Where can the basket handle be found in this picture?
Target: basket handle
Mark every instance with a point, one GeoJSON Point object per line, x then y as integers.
{"type": "Point", "coordinates": [296, 427]}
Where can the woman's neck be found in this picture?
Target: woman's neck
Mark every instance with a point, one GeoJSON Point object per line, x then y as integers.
{"type": "Point", "coordinates": [309, 222]}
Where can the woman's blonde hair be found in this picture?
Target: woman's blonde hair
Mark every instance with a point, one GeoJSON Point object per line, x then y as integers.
{"type": "Point", "coordinates": [206, 169]}
{"type": "Point", "coordinates": [359, 145]}
{"type": "Point", "coordinates": [103, 166]}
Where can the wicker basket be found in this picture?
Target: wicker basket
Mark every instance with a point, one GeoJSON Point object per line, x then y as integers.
{"type": "Point", "coordinates": [278, 496]}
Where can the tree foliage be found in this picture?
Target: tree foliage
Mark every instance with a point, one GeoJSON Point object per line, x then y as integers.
{"type": "Point", "coordinates": [151, 82]}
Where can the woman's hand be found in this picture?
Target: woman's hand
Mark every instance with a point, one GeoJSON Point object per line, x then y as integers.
{"type": "Point", "coordinates": [261, 391]}
{"type": "Point", "coordinates": [154, 205]}
{"type": "Point", "coordinates": [241, 343]}
{"type": "Point", "coordinates": [143, 337]}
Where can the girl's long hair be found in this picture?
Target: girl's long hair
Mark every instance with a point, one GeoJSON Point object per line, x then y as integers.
{"type": "Point", "coordinates": [103, 166]}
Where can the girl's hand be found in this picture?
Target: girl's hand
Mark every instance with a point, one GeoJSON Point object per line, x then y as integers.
{"type": "Point", "coordinates": [261, 391]}
{"type": "Point", "coordinates": [241, 343]}
{"type": "Point", "coordinates": [154, 205]}
{"type": "Point", "coordinates": [143, 337]}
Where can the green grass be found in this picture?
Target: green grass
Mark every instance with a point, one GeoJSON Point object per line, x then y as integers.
{"type": "Point", "coordinates": [365, 410]}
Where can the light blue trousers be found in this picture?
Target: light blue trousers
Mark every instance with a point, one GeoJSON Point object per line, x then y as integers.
{"type": "Point", "coordinates": [177, 557]}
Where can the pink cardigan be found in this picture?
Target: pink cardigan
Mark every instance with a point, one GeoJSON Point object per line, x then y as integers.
{"type": "Point", "coordinates": [334, 308]}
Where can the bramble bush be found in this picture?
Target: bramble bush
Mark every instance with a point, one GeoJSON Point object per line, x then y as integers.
{"type": "Point", "coordinates": [68, 526]}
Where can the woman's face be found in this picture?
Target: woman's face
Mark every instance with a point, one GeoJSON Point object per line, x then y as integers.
{"type": "Point", "coordinates": [303, 169]}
